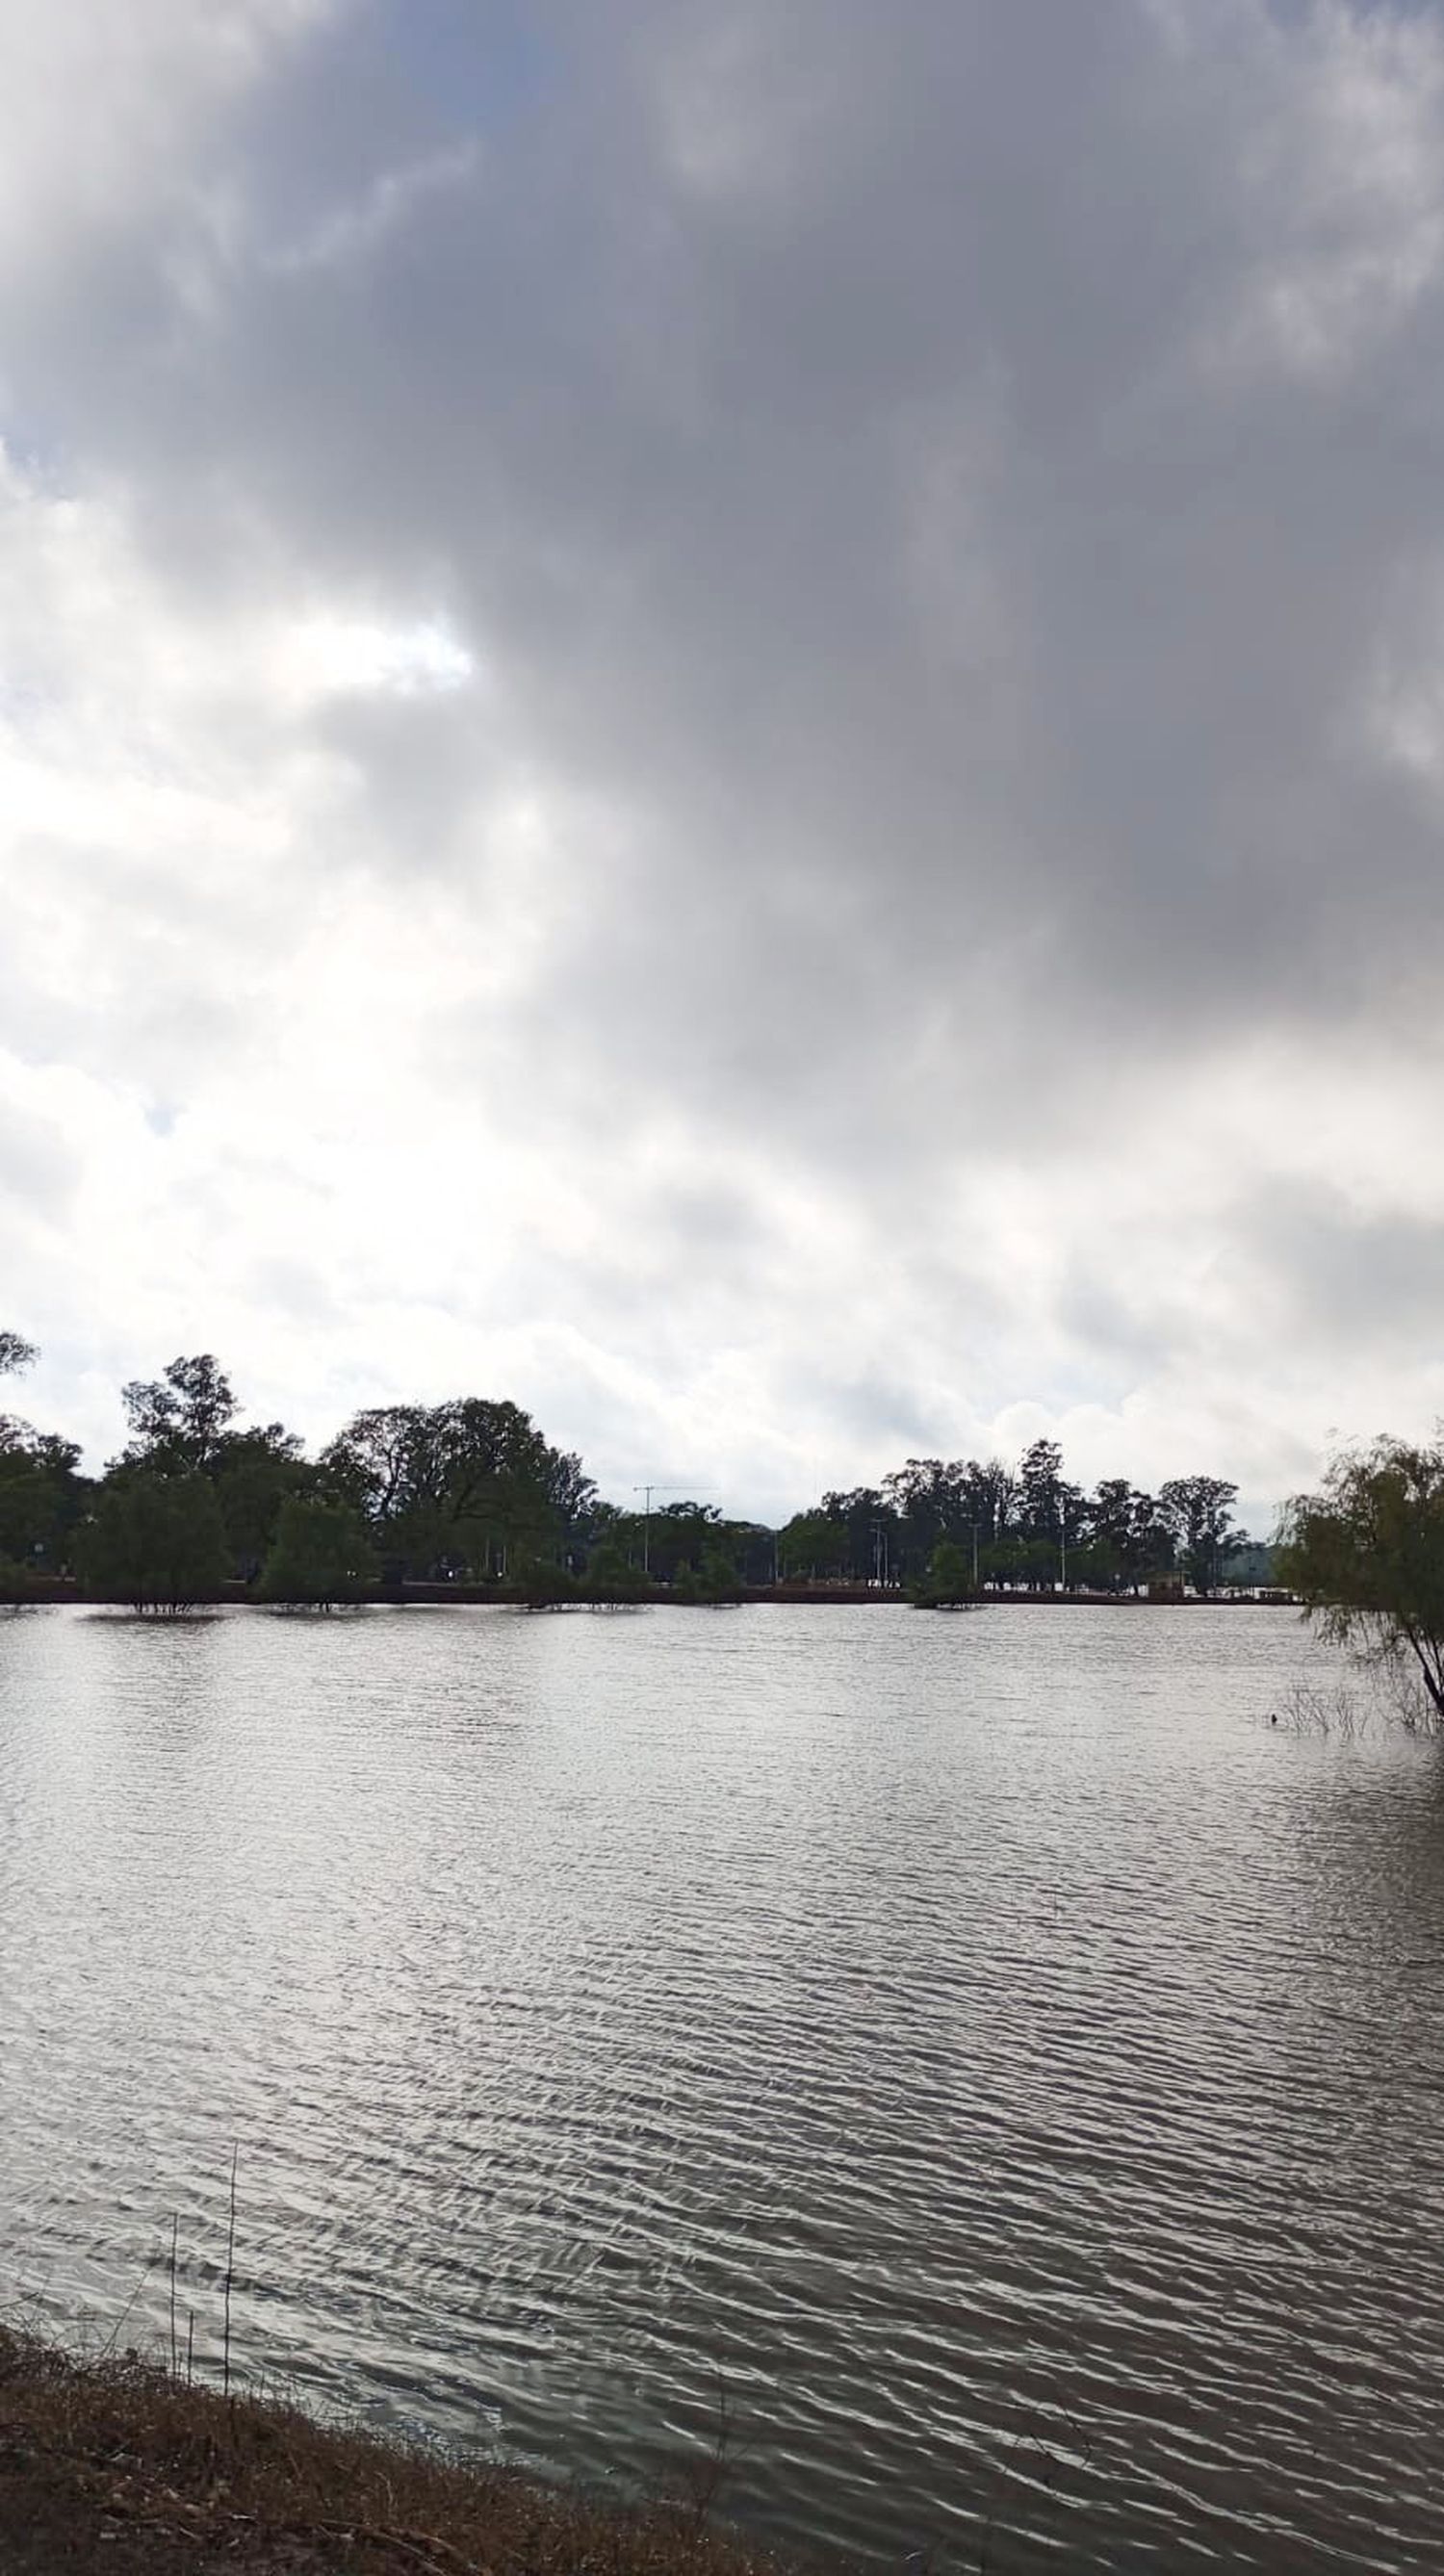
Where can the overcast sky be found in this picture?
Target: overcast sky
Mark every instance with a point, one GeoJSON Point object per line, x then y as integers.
{"type": "Point", "coordinates": [729, 715]}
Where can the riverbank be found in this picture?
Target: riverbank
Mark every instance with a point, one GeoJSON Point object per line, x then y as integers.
{"type": "Point", "coordinates": [112, 2464]}
{"type": "Point", "coordinates": [63, 1588]}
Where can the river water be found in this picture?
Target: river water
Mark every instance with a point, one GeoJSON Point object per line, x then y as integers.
{"type": "Point", "coordinates": [977, 2067]}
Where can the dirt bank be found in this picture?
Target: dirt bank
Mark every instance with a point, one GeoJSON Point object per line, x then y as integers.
{"type": "Point", "coordinates": [109, 2465]}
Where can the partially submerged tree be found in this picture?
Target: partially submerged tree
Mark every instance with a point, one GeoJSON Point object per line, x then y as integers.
{"type": "Point", "coordinates": [948, 1583]}
{"type": "Point", "coordinates": [321, 1555]}
{"type": "Point", "coordinates": [157, 1542]}
{"type": "Point", "coordinates": [712, 1585]}
{"type": "Point", "coordinates": [1366, 1557]}
{"type": "Point", "coordinates": [612, 1581]}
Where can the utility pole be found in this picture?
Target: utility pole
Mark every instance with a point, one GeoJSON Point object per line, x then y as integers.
{"type": "Point", "coordinates": [647, 1491]}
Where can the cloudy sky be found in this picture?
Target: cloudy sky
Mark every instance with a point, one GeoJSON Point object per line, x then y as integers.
{"type": "Point", "coordinates": [729, 714]}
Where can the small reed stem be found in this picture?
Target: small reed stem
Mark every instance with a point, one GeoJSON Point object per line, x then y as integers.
{"type": "Point", "coordinates": [230, 2276]}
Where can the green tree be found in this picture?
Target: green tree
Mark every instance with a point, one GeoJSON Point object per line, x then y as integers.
{"type": "Point", "coordinates": [255, 1473]}
{"type": "Point", "coordinates": [870, 1532]}
{"type": "Point", "coordinates": [321, 1554]}
{"type": "Point", "coordinates": [1050, 1513]}
{"type": "Point", "coordinates": [713, 1584]}
{"type": "Point", "coordinates": [177, 1420]}
{"type": "Point", "coordinates": [812, 1543]}
{"type": "Point", "coordinates": [42, 1496]}
{"type": "Point", "coordinates": [182, 1423]}
{"type": "Point", "coordinates": [15, 1353]}
{"type": "Point", "coordinates": [948, 1583]}
{"type": "Point", "coordinates": [1198, 1510]}
{"type": "Point", "coordinates": [1366, 1558]}
{"type": "Point", "coordinates": [155, 1541]}
{"type": "Point", "coordinates": [612, 1580]}
{"type": "Point", "coordinates": [959, 1500]}
{"type": "Point", "coordinates": [462, 1487]}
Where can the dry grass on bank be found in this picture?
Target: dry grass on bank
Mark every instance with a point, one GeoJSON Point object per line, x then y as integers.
{"type": "Point", "coordinates": [111, 2464]}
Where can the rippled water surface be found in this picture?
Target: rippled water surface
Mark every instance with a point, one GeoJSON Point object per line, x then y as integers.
{"type": "Point", "coordinates": [979, 2047]}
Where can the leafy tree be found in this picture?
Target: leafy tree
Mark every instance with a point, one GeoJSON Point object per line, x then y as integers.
{"type": "Point", "coordinates": [15, 1353]}
{"type": "Point", "coordinates": [176, 1420]}
{"type": "Point", "coordinates": [458, 1487]}
{"type": "Point", "coordinates": [1107, 1559]}
{"type": "Point", "coordinates": [542, 1584]}
{"type": "Point", "coordinates": [255, 1473]}
{"type": "Point", "coordinates": [1125, 1540]}
{"type": "Point", "coordinates": [959, 1501]}
{"type": "Point", "coordinates": [42, 1495]}
{"type": "Point", "coordinates": [752, 1549]}
{"type": "Point", "coordinates": [1198, 1511]}
{"type": "Point", "coordinates": [378, 1460]}
{"type": "Point", "coordinates": [674, 1538]}
{"type": "Point", "coordinates": [611, 1578]}
{"type": "Point", "coordinates": [1366, 1557]}
{"type": "Point", "coordinates": [872, 1533]}
{"type": "Point", "coordinates": [182, 1424]}
{"type": "Point", "coordinates": [713, 1583]}
{"type": "Point", "coordinates": [1040, 1479]}
{"type": "Point", "coordinates": [1050, 1512]}
{"type": "Point", "coordinates": [1031, 1563]}
{"type": "Point", "coordinates": [812, 1543]}
{"type": "Point", "coordinates": [1096, 1565]}
{"type": "Point", "coordinates": [1250, 1562]}
{"type": "Point", "coordinates": [155, 1541]}
{"type": "Point", "coordinates": [991, 1495]}
{"type": "Point", "coordinates": [17, 1584]}
{"type": "Point", "coordinates": [1153, 1549]}
{"type": "Point", "coordinates": [321, 1554]}
{"type": "Point", "coordinates": [948, 1583]}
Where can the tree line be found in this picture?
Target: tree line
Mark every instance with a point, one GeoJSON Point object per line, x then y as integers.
{"type": "Point", "coordinates": [470, 1490]}
{"type": "Point", "coordinates": [1025, 1528]}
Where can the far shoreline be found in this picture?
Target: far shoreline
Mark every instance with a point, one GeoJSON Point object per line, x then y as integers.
{"type": "Point", "coordinates": [61, 1590]}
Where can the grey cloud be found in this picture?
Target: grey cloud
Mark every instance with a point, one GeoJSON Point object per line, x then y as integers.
{"type": "Point", "coordinates": [944, 506]}
{"type": "Point", "coordinates": [669, 446]}
{"type": "Point", "coordinates": [1350, 1275]}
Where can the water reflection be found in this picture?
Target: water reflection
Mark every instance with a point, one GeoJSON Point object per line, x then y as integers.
{"type": "Point", "coordinates": [1010, 2067]}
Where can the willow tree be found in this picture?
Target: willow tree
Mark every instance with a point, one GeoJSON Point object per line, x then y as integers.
{"type": "Point", "coordinates": [1366, 1557]}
